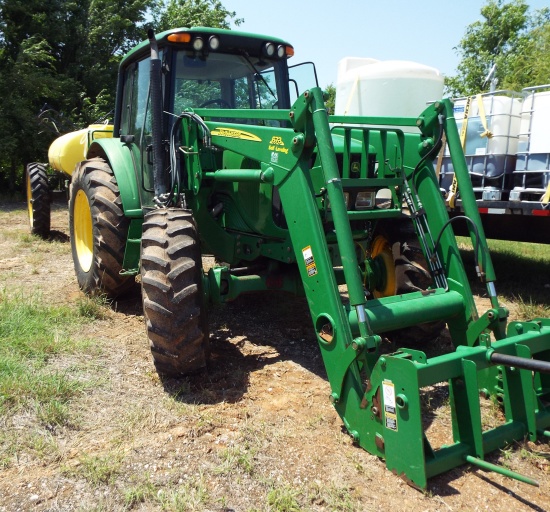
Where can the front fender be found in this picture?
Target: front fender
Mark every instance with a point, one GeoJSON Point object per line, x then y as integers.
{"type": "Point", "coordinates": [120, 158]}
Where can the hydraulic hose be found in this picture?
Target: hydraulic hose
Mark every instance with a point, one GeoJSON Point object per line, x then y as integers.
{"type": "Point", "coordinates": [476, 247]}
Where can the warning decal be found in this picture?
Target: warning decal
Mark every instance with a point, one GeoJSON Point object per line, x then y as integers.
{"type": "Point", "coordinates": [390, 414]}
{"type": "Point", "coordinates": [309, 260]}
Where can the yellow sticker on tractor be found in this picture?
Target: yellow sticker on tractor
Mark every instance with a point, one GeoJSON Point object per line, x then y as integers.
{"type": "Point", "coordinates": [231, 133]}
{"type": "Point", "coordinates": [390, 412]}
{"type": "Point", "coordinates": [309, 260]}
{"type": "Point", "coordinates": [277, 144]}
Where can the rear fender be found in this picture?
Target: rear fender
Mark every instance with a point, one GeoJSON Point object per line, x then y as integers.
{"type": "Point", "coordinates": [120, 159]}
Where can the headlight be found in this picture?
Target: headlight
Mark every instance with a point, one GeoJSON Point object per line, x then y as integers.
{"type": "Point", "coordinates": [214, 43]}
{"type": "Point", "coordinates": [365, 200]}
{"type": "Point", "coordinates": [198, 44]}
{"type": "Point", "coordinates": [346, 199]}
{"type": "Point", "coordinates": [384, 198]}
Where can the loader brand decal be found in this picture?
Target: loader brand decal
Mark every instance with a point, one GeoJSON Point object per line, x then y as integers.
{"type": "Point", "coordinates": [231, 133]}
{"type": "Point", "coordinates": [277, 144]}
{"type": "Point", "coordinates": [390, 414]}
{"type": "Point", "coordinates": [309, 260]}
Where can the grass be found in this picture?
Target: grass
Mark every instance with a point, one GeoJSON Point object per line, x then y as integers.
{"type": "Point", "coordinates": [191, 495]}
{"type": "Point", "coordinates": [283, 499]}
{"type": "Point", "coordinates": [33, 338]}
{"type": "Point", "coordinates": [93, 307]}
{"type": "Point", "coordinates": [39, 443]}
{"type": "Point", "coordinates": [340, 498]}
{"type": "Point", "coordinates": [530, 309]}
{"type": "Point", "coordinates": [518, 266]}
{"type": "Point", "coordinates": [234, 459]}
{"type": "Point", "coordinates": [99, 453]}
{"type": "Point", "coordinates": [139, 493]}
{"type": "Point", "coordinates": [97, 469]}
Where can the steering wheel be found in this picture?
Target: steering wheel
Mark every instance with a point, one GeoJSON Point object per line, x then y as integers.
{"type": "Point", "coordinates": [222, 103]}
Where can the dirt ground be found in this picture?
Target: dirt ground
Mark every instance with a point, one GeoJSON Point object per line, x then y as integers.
{"type": "Point", "coordinates": [256, 433]}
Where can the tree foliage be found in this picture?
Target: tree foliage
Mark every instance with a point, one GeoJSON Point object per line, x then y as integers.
{"type": "Point", "coordinates": [26, 82]}
{"type": "Point", "coordinates": [330, 98]}
{"type": "Point", "coordinates": [510, 38]}
{"type": "Point", "coordinates": [60, 58]}
{"type": "Point", "coordinates": [531, 65]}
{"type": "Point", "coordinates": [192, 13]}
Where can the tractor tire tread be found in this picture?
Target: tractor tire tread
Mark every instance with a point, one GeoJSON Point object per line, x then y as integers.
{"type": "Point", "coordinates": [171, 280]}
{"type": "Point", "coordinates": [40, 199]}
{"type": "Point", "coordinates": [110, 229]}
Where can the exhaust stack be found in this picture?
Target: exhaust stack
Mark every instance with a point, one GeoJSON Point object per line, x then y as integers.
{"type": "Point", "coordinates": [159, 179]}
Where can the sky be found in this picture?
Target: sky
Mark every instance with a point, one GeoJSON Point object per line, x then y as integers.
{"type": "Point", "coordinates": [326, 31]}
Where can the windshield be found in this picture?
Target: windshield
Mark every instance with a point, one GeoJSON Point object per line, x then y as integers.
{"type": "Point", "coordinates": [222, 80]}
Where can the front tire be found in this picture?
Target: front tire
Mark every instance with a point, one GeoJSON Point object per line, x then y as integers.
{"type": "Point", "coordinates": [98, 229]}
{"type": "Point", "coordinates": [171, 284]}
{"type": "Point", "coordinates": [38, 199]}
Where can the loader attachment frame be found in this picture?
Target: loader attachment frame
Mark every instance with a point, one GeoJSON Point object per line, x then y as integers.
{"type": "Point", "coordinates": [379, 396]}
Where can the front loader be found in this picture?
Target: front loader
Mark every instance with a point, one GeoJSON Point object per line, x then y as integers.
{"type": "Point", "coordinates": [218, 149]}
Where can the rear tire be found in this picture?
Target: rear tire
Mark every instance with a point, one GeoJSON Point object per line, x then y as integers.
{"type": "Point", "coordinates": [38, 199]}
{"type": "Point", "coordinates": [172, 292]}
{"type": "Point", "coordinates": [98, 229]}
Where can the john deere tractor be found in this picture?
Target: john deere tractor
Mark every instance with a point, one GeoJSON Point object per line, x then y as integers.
{"type": "Point", "coordinates": [219, 147]}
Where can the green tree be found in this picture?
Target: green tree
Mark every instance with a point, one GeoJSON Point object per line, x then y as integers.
{"type": "Point", "coordinates": [192, 13]}
{"type": "Point", "coordinates": [110, 30]}
{"type": "Point", "coordinates": [62, 54]}
{"type": "Point", "coordinates": [330, 98]}
{"type": "Point", "coordinates": [504, 38]}
{"type": "Point", "coordinates": [26, 82]}
{"type": "Point", "coordinates": [531, 65]}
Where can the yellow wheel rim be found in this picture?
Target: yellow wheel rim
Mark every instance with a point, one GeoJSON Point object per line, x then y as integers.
{"type": "Point", "coordinates": [29, 198]}
{"type": "Point", "coordinates": [83, 234]}
{"type": "Point", "coordinates": [382, 251]}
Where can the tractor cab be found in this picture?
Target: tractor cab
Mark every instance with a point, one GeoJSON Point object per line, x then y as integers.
{"type": "Point", "coordinates": [202, 68]}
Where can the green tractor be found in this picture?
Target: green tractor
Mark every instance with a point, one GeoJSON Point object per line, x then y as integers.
{"type": "Point", "coordinates": [220, 147]}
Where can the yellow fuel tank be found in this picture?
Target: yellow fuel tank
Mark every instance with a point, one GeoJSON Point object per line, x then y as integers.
{"type": "Point", "coordinates": [69, 149]}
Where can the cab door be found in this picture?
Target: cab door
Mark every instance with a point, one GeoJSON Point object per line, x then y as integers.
{"type": "Point", "coordinates": [136, 126]}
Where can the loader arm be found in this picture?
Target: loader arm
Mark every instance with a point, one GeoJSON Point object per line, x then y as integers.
{"type": "Point", "coordinates": [378, 395]}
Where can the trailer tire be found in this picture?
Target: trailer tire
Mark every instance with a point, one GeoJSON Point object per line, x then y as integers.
{"type": "Point", "coordinates": [98, 230]}
{"type": "Point", "coordinates": [172, 292]}
{"type": "Point", "coordinates": [38, 199]}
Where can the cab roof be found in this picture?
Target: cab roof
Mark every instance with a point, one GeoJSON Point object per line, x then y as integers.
{"type": "Point", "coordinates": [229, 40]}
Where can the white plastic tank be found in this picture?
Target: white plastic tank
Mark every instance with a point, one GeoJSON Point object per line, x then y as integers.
{"type": "Point", "coordinates": [535, 121]}
{"type": "Point", "coordinates": [393, 88]}
{"type": "Point", "coordinates": [500, 114]}
{"type": "Point", "coordinates": [491, 143]}
{"type": "Point", "coordinates": [533, 154]}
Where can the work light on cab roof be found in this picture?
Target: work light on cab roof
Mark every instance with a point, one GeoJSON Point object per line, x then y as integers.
{"type": "Point", "coordinates": [269, 49]}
